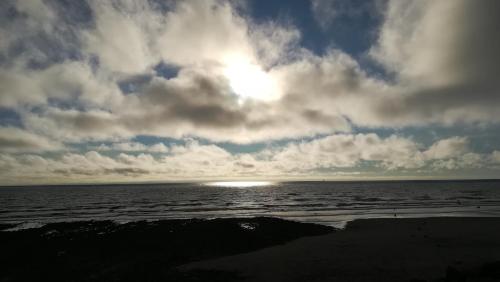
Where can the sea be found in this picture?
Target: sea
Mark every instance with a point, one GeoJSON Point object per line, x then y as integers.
{"type": "Point", "coordinates": [323, 202]}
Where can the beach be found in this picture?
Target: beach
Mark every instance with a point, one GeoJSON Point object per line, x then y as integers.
{"type": "Point", "coordinates": [425, 249]}
{"type": "Point", "coordinates": [255, 249]}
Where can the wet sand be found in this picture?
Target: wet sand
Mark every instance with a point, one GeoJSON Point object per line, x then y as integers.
{"type": "Point", "coordinates": [431, 249]}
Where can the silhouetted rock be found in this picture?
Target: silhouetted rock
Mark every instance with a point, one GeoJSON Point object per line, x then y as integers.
{"type": "Point", "coordinates": [138, 251]}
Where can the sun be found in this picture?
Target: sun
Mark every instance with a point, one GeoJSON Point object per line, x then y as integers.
{"type": "Point", "coordinates": [249, 81]}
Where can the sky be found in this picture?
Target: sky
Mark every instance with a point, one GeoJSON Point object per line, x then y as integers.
{"type": "Point", "coordinates": [161, 90]}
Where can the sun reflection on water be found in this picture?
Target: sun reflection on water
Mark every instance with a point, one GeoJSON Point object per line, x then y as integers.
{"type": "Point", "coordinates": [241, 184]}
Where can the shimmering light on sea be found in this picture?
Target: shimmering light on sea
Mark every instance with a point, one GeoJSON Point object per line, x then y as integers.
{"type": "Point", "coordinates": [241, 184]}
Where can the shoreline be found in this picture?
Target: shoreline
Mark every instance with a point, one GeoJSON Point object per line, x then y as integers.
{"type": "Point", "coordinates": [337, 224]}
{"type": "Point", "coordinates": [256, 249]}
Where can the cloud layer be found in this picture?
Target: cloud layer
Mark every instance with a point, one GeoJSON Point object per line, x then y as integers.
{"type": "Point", "coordinates": [344, 155]}
{"type": "Point", "coordinates": [106, 72]}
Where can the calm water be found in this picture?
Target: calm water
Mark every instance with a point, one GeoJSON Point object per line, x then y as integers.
{"type": "Point", "coordinates": [331, 203]}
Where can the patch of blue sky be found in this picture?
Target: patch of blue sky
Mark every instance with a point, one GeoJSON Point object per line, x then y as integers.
{"type": "Point", "coordinates": [234, 148]}
{"type": "Point", "coordinates": [43, 49]}
{"type": "Point", "coordinates": [353, 29]}
{"type": "Point", "coordinates": [49, 50]}
{"type": "Point", "coordinates": [296, 12]}
{"type": "Point", "coordinates": [7, 12]}
{"type": "Point", "coordinates": [152, 140]}
{"type": "Point", "coordinates": [73, 12]}
{"type": "Point", "coordinates": [259, 146]}
{"type": "Point", "coordinates": [165, 70]}
{"type": "Point", "coordinates": [135, 83]}
{"type": "Point", "coordinates": [10, 118]}
{"type": "Point", "coordinates": [94, 62]}
{"type": "Point", "coordinates": [65, 104]}
{"type": "Point", "coordinates": [162, 6]}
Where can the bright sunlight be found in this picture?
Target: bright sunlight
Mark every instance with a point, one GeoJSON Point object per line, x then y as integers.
{"type": "Point", "coordinates": [250, 81]}
{"type": "Point", "coordinates": [241, 184]}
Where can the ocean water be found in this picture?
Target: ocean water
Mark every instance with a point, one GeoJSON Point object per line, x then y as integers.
{"type": "Point", "coordinates": [329, 203]}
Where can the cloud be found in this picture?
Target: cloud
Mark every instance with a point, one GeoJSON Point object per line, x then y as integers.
{"type": "Point", "coordinates": [468, 160]}
{"type": "Point", "coordinates": [443, 54]}
{"type": "Point", "coordinates": [317, 94]}
{"type": "Point", "coordinates": [324, 12]}
{"type": "Point", "coordinates": [134, 147]}
{"type": "Point", "coordinates": [14, 140]}
{"type": "Point", "coordinates": [122, 37]}
{"type": "Point", "coordinates": [448, 148]}
{"type": "Point", "coordinates": [36, 10]}
{"type": "Point", "coordinates": [72, 84]}
{"type": "Point", "coordinates": [80, 100]}
{"type": "Point", "coordinates": [347, 150]}
{"type": "Point", "coordinates": [76, 126]}
{"type": "Point", "coordinates": [62, 69]}
{"type": "Point", "coordinates": [330, 156]}
{"type": "Point", "coordinates": [495, 156]}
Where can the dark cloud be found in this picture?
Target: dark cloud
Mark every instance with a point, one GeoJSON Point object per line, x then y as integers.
{"type": "Point", "coordinates": [121, 171]}
{"type": "Point", "coordinates": [84, 121]}
{"type": "Point", "coordinates": [127, 171]}
{"type": "Point", "coordinates": [7, 143]}
{"type": "Point", "coordinates": [202, 103]}
{"type": "Point", "coordinates": [446, 55]}
{"type": "Point", "coordinates": [18, 140]}
{"type": "Point", "coordinates": [441, 105]}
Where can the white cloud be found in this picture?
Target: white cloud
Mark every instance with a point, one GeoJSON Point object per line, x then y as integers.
{"type": "Point", "coordinates": [134, 147]}
{"type": "Point", "coordinates": [448, 148]}
{"type": "Point", "coordinates": [346, 150]}
{"type": "Point", "coordinates": [73, 83]}
{"type": "Point", "coordinates": [122, 35]}
{"type": "Point", "coordinates": [330, 156]}
{"type": "Point", "coordinates": [494, 158]}
{"type": "Point", "coordinates": [468, 160]}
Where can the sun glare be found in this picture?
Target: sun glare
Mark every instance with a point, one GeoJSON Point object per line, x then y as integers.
{"type": "Point", "coordinates": [241, 184]}
{"type": "Point", "coordinates": [250, 81]}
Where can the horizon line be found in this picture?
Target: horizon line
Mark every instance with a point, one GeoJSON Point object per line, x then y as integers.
{"type": "Point", "coordinates": [244, 180]}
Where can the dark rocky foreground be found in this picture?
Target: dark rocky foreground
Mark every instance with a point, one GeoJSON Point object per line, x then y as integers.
{"type": "Point", "coordinates": [257, 249]}
{"type": "Point", "coordinates": [139, 251]}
